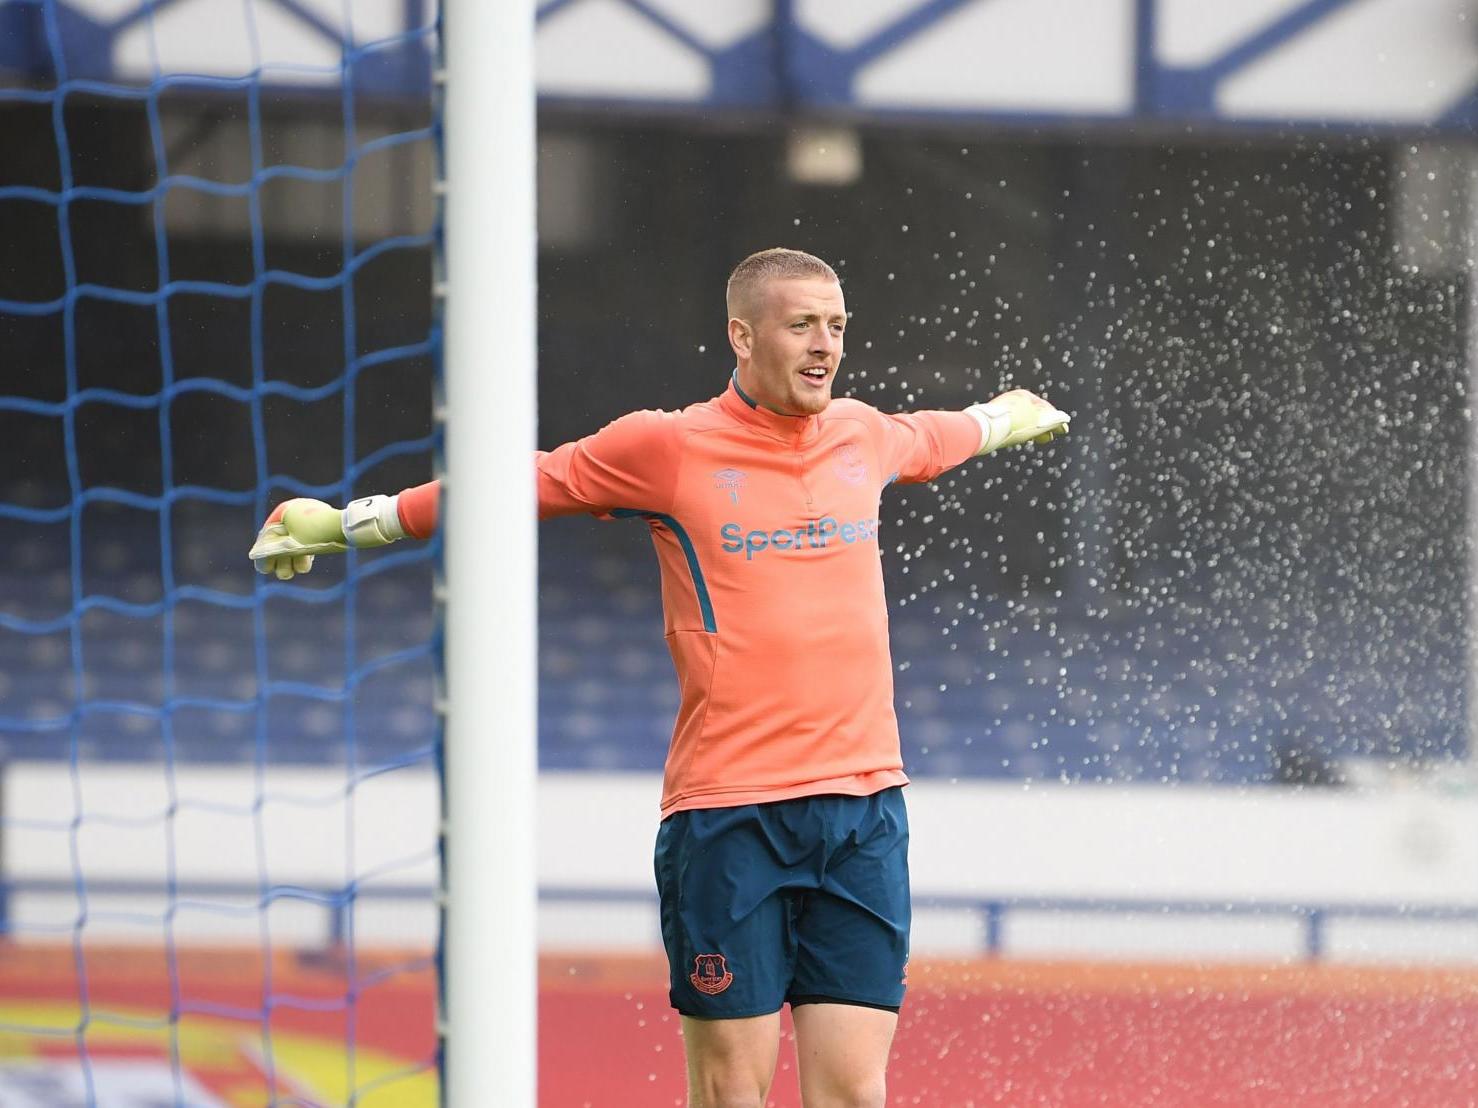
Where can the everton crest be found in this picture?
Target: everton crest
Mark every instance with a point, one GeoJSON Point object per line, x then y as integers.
{"type": "Point", "coordinates": [848, 464]}
{"type": "Point", "coordinates": [710, 974]}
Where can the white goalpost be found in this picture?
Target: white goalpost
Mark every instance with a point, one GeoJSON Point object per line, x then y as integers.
{"type": "Point", "coordinates": [487, 281]}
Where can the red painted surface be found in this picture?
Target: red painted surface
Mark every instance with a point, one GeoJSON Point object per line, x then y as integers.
{"type": "Point", "coordinates": [974, 1033]}
{"type": "Point", "coordinates": [220, 1036]}
{"type": "Point", "coordinates": [977, 1034]}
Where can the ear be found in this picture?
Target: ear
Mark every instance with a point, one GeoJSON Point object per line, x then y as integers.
{"type": "Point", "coordinates": [741, 338]}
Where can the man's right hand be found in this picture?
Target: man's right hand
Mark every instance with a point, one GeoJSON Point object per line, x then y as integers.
{"type": "Point", "coordinates": [294, 532]}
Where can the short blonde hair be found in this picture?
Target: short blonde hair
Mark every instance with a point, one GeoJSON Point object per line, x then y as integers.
{"type": "Point", "coordinates": [774, 264]}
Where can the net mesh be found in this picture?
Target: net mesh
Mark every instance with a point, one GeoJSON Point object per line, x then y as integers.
{"type": "Point", "coordinates": [219, 799]}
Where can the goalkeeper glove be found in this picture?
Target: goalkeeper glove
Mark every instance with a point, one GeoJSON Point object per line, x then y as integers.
{"type": "Point", "coordinates": [299, 529]}
{"type": "Point", "coordinates": [1016, 417]}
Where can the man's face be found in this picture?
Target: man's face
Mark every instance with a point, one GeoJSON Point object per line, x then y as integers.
{"type": "Point", "coordinates": [792, 346]}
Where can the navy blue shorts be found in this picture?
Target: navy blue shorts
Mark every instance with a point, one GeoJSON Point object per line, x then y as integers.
{"type": "Point", "coordinates": [801, 900]}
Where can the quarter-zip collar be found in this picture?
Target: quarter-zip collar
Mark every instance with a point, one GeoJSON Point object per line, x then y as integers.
{"type": "Point", "coordinates": [797, 430]}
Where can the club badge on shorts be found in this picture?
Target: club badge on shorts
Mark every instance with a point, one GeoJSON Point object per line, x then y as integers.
{"type": "Point", "coordinates": [710, 974]}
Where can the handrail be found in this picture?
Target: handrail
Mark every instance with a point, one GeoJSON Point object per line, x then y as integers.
{"type": "Point", "coordinates": [993, 910]}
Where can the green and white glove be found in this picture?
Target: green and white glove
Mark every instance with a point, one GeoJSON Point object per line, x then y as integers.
{"type": "Point", "coordinates": [297, 530]}
{"type": "Point", "coordinates": [1017, 417]}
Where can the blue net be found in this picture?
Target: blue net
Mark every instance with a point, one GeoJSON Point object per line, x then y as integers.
{"type": "Point", "coordinates": [216, 231]}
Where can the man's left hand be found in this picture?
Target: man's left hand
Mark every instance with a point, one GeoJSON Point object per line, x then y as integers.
{"type": "Point", "coordinates": [1017, 417]}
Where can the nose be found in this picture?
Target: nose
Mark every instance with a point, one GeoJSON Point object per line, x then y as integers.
{"type": "Point", "coordinates": [825, 343]}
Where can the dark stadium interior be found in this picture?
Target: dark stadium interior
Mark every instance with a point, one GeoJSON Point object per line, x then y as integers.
{"type": "Point", "coordinates": [1238, 568]}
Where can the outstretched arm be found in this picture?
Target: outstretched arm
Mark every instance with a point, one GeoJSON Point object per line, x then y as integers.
{"type": "Point", "coordinates": [631, 463]}
{"type": "Point", "coordinates": [919, 446]}
{"type": "Point", "coordinates": [299, 529]}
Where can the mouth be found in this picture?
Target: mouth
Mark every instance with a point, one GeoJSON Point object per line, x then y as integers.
{"type": "Point", "coordinates": [816, 375]}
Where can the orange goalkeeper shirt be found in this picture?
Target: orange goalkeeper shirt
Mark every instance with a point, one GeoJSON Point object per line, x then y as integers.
{"type": "Point", "coordinates": [768, 533]}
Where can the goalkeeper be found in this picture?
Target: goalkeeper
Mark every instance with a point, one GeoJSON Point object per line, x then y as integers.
{"type": "Point", "coordinates": [782, 856]}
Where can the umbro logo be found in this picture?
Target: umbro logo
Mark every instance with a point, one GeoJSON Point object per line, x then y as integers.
{"type": "Point", "coordinates": [730, 480]}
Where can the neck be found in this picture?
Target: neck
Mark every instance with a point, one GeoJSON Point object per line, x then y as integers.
{"type": "Point", "coordinates": [749, 396]}
{"type": "Point", "coordinates": [744, 393]}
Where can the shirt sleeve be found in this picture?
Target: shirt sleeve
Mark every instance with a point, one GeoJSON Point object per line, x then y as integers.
{"type": "Point", "coordinates": [419, 509]}
{"type": "Point", "coordinates": [631, 463]}
{"type": "Point", "coordinates": [919, 446]}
